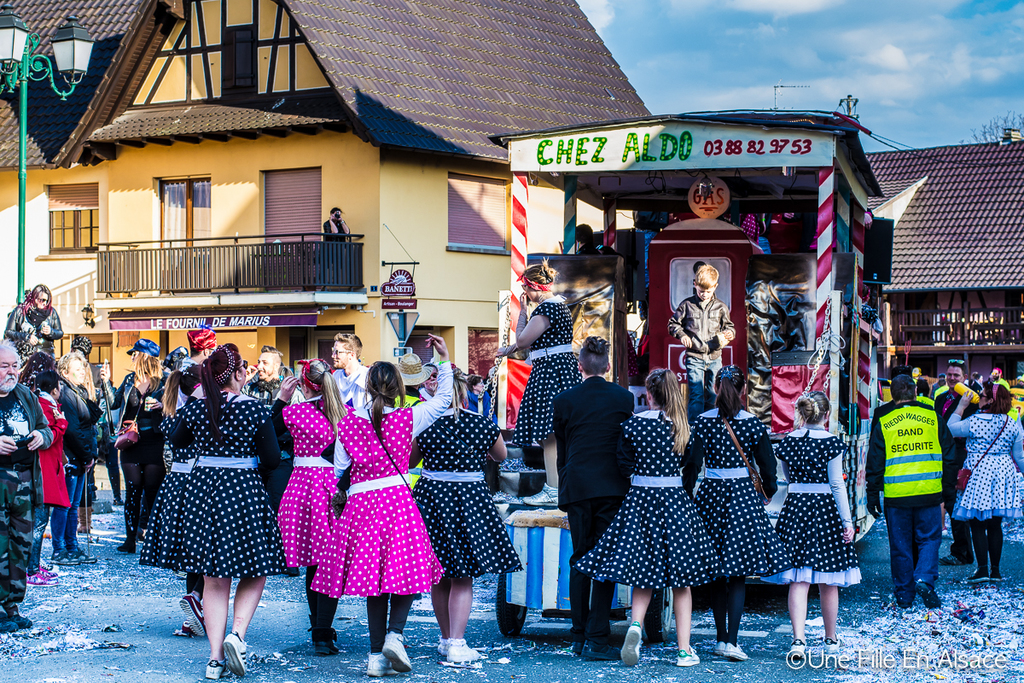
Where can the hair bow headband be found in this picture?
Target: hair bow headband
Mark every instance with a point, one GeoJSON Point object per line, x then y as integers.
{"type": "Point", "coordinates": [305, 377]}
{"type": "Point", "coordinates": [530, 284]}
{"type": "Point", "coordinates": [731, 373]}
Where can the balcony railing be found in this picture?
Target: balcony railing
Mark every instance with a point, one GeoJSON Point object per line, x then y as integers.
{"type": "Point", "coordinates": [960, 326]}
{"type": "Point", "coordinates": [292, 262]}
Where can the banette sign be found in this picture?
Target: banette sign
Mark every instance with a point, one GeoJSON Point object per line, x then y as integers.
{"type": "Point", "coordinates": [399, 284]}
{"type": "Point", "coordinates": [672, 145]}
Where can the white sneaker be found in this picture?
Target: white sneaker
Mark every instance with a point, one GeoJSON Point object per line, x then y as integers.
{"type": "Point", "coordinates": [548, 496]}
{"type": "Point", "coordinates": [798, 650]}
{"type": "Point", "coordinates": [234, 654]}
{"type": "Point", "coordinates": [394, 650]}
{"type": "Point", "coordinates": [832, 646]}
{"type": "Point", "coordinates": [734, 653]}
{"type": "Point", "coordinates": [631, 647]}
{"type": "Point", "coordinates": [214, 670]}
{"type": "Point", "coordinates": [379, 666]}
{"type": "Point", "coordinates": [443, 644]}
{"type": "Point", "coordinates": [685, 658]}
{"type": "Point", "coordinates": [720, 648]}
{"type": "Point", "coordinates": [460, 653]}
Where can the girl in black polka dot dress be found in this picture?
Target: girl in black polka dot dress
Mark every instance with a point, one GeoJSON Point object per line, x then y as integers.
{"type": "Point", "coordinates": [229, 528]}
{"type": "Point", "coordinates": [815, 522]}
{"type": "Point", "coordinates": [162, 547]}
{"type": "Point", "coordinates": [548, 334]}
{"type": "Point", "coordinates": [465, 529]}
{"type": "Point", "coordinates": [657, 540]}
{"type": "Point", "coordinates": [732, 509]}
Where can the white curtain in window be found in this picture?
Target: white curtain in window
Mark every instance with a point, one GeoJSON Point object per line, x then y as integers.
{"type": "Point", "coordinates": [175, 208]}
{"type": "Point", "coordinates": [201, 209]}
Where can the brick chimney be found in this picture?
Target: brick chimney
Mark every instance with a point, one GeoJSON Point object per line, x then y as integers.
{"type": "Point", "coordinates": [1011, 135]}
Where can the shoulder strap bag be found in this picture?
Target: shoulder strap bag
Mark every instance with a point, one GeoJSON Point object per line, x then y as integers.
{"type": "Point", "coordinates": [128, 434]}
{"type": "Point", "coordinates": [964, 475]}
{"type": "Point", "coordinates": [755, 477]}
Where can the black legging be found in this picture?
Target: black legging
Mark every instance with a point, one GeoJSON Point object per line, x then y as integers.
{"type": "Point", "coordinates": [987, 536]}
{"type": "Point", "coordinates": [322, 608]}
{"type": "Point", "coordinates": [195, 583]}
{"type": "Point", "coordinates": [114, 472]}
{"type": "Point", "coordinates": [378, 620]}
{"type": "Point", "coordinates": [727, 599]}
{"type": "Point", "coordinates": [142, 482]}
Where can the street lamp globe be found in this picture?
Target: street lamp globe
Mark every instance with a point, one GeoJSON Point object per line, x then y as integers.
{"type": "Point", "coordinates": [13, 35]}
{"type": "Point", "coordinates": [72, 47]}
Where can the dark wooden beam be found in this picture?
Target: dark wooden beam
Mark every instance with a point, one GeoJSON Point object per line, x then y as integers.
{"type": "Point", "coordinates": [132, 143]}
{"type": "Point", "coordinates": [246, 134]}
{"type": "Point", "coordinates": [336, 127]}
{"type": "Point", "coordinates": [218, 137]}
{"type": "Point", "coordinates": [307, 130]}
{"type": "Point", "coordinates": [276, 132]}
{"type": "Point", "coordinates": [166, 142]}
{"type": "Point", "coordinates": [104, 150]}
{"type": "Point", "coordinates": [190, 139]}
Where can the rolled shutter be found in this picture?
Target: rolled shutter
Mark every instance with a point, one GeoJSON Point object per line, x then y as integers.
{"type": "Point", "coordinates": [477, 213]}
{"type": "Point", "coordinates": [74, 197]}
{"type": "Point", "coordinates": [292, 203]}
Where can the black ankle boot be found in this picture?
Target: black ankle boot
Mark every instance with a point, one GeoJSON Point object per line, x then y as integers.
{"type": "Point", "coordinates": [323, 642]}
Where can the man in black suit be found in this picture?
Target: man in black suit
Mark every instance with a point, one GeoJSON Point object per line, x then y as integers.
{"type": "Point", "coordinates": [588, 421]}
{"type": "Point", "coordinates": [961, 551]}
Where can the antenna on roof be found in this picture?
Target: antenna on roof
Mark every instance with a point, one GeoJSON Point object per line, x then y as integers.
{"type": "Point", "coordinates": [778, 86]}
{"type": "Point", "coordinates": [849, 103]}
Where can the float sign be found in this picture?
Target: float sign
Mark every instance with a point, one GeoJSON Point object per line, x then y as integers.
{"type": "Point", "coordinates": [400, 284]}
{"type": "Point", "coordinates": [709, 197]}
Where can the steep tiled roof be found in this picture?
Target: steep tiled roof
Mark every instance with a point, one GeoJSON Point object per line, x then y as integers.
{"type": "Point", "coordinates": [216, 118]}
{"type": "Point", "coordinates": [50, 121]}
{"type": "Point", "coordinates": [443, 75]}
{"type": "Point", "coordinates": [964, 228]}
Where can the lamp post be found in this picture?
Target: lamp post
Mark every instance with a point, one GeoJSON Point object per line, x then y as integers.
{"type": "Point", "coordinates": [72, 48]}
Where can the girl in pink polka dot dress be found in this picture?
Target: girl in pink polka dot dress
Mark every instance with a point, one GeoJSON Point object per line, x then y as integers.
{"type": "Point", "coordinates": [305, 515]}
{"type": "Point", "coordinates": [379, 547]}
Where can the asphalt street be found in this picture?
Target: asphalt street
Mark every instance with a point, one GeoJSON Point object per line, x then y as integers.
{"type": "Point", "coordinates": [116, 621]}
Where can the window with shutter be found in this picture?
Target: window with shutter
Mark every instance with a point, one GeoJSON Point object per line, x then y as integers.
{"type": "Point", "coordinates": [74, 217]}
{"type": "Point", "coordinates": [291, 204]}
{"type": "Point", "coordinates": [477, 213]}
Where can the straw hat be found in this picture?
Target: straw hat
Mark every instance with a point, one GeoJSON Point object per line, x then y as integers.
{"type": "Point", "coordinates": [410, 367]}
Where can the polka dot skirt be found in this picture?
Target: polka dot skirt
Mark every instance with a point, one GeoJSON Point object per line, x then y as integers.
{"type": "Point", "coordinates": [162, 547]}
{"type": "Point", "coordinates": [549, 376]}
{"type": "Point", "coordinates": [465, 529]}
{"type": "Point", "coordinates": [657, 539]}
{"type": "Point", "coordinates": [305, 515]}
{"type": "Point", "coordinates": [809, 523]}
{"type": "Point", "coordinates": [229, 528]}
{"type": "Point", "coordinates": [732, 510]}
{"type": "Point", "coordinates": [379, 544]}
{"type": "Point", "coordinates": [996, 488]}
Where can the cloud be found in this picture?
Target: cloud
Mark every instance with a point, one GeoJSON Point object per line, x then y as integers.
{"type": "Point", "coordinates": [782, 8]}
{"type": "Point", "coordinates": [889, 57]}
{"type": "Point", "coordinates": [599, 12]}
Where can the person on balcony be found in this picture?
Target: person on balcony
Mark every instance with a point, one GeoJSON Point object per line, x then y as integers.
{"type": "Point", "coordinates": [34, 325]}
{"type": "Point", "coordinates": [336, 227]}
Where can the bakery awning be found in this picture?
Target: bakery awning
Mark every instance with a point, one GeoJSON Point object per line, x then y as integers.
{"type": "Point", "coordinates": [219, 320]}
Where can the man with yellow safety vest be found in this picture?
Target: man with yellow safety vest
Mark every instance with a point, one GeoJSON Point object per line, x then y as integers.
{"type": "Point", "coordinates": [908, 448]}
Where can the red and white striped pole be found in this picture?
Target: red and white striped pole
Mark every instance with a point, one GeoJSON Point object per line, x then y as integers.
{"type": "Point", "coordinates": [826, 234]}
{"type": "Point", "coordinates": [517, 371]}
{"type": "Point", "coordinates": [611, 207]}
{"type": "Point", "coordinates": [857, 239]}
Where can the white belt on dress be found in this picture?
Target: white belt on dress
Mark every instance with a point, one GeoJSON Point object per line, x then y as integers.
{"type": "Point", "coordinates": [311, 462]}
{"type": "Point", "coordinates": [656, 482]}
{"type": "Point", "coordinates": [183, 467]}
{"type": "Point", "coordinates": [230, 463]}
{"type": "Point", "coordinates": [376, 484]}
{"type": "Point", "coordinates": [726, 473]}
{"type": "Point", "coordinates": [551, 351]}
{"type": "Point", "coordinates": [452, 476]}
{"type": "Point", "coordinates": [810, 488]}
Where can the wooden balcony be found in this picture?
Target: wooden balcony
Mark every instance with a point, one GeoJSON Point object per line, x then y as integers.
{"type": "Point", "coordinates": [959, 327]}
{"type": "Point", "coordinates": [231, 264]}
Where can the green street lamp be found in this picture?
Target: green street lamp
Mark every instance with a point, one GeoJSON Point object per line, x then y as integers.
{"type": "Point", "coordinates": [72, 48]}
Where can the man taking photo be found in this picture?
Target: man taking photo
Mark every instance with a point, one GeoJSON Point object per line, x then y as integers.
{"type": "Point", "coordinates": [24, 430]}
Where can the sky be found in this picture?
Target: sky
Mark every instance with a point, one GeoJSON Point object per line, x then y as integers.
{"type": "Point", "coordinates": [926, 72]}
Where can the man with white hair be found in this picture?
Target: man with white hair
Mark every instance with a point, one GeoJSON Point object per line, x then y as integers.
{"type": "Point", "coordinates": [23, 431]}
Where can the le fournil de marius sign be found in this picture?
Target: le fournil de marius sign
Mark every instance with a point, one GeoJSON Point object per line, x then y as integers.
{"type": "Point", "coordinates": [672, 145]}
{"type": "Point", "coordinates": [243, 319]}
